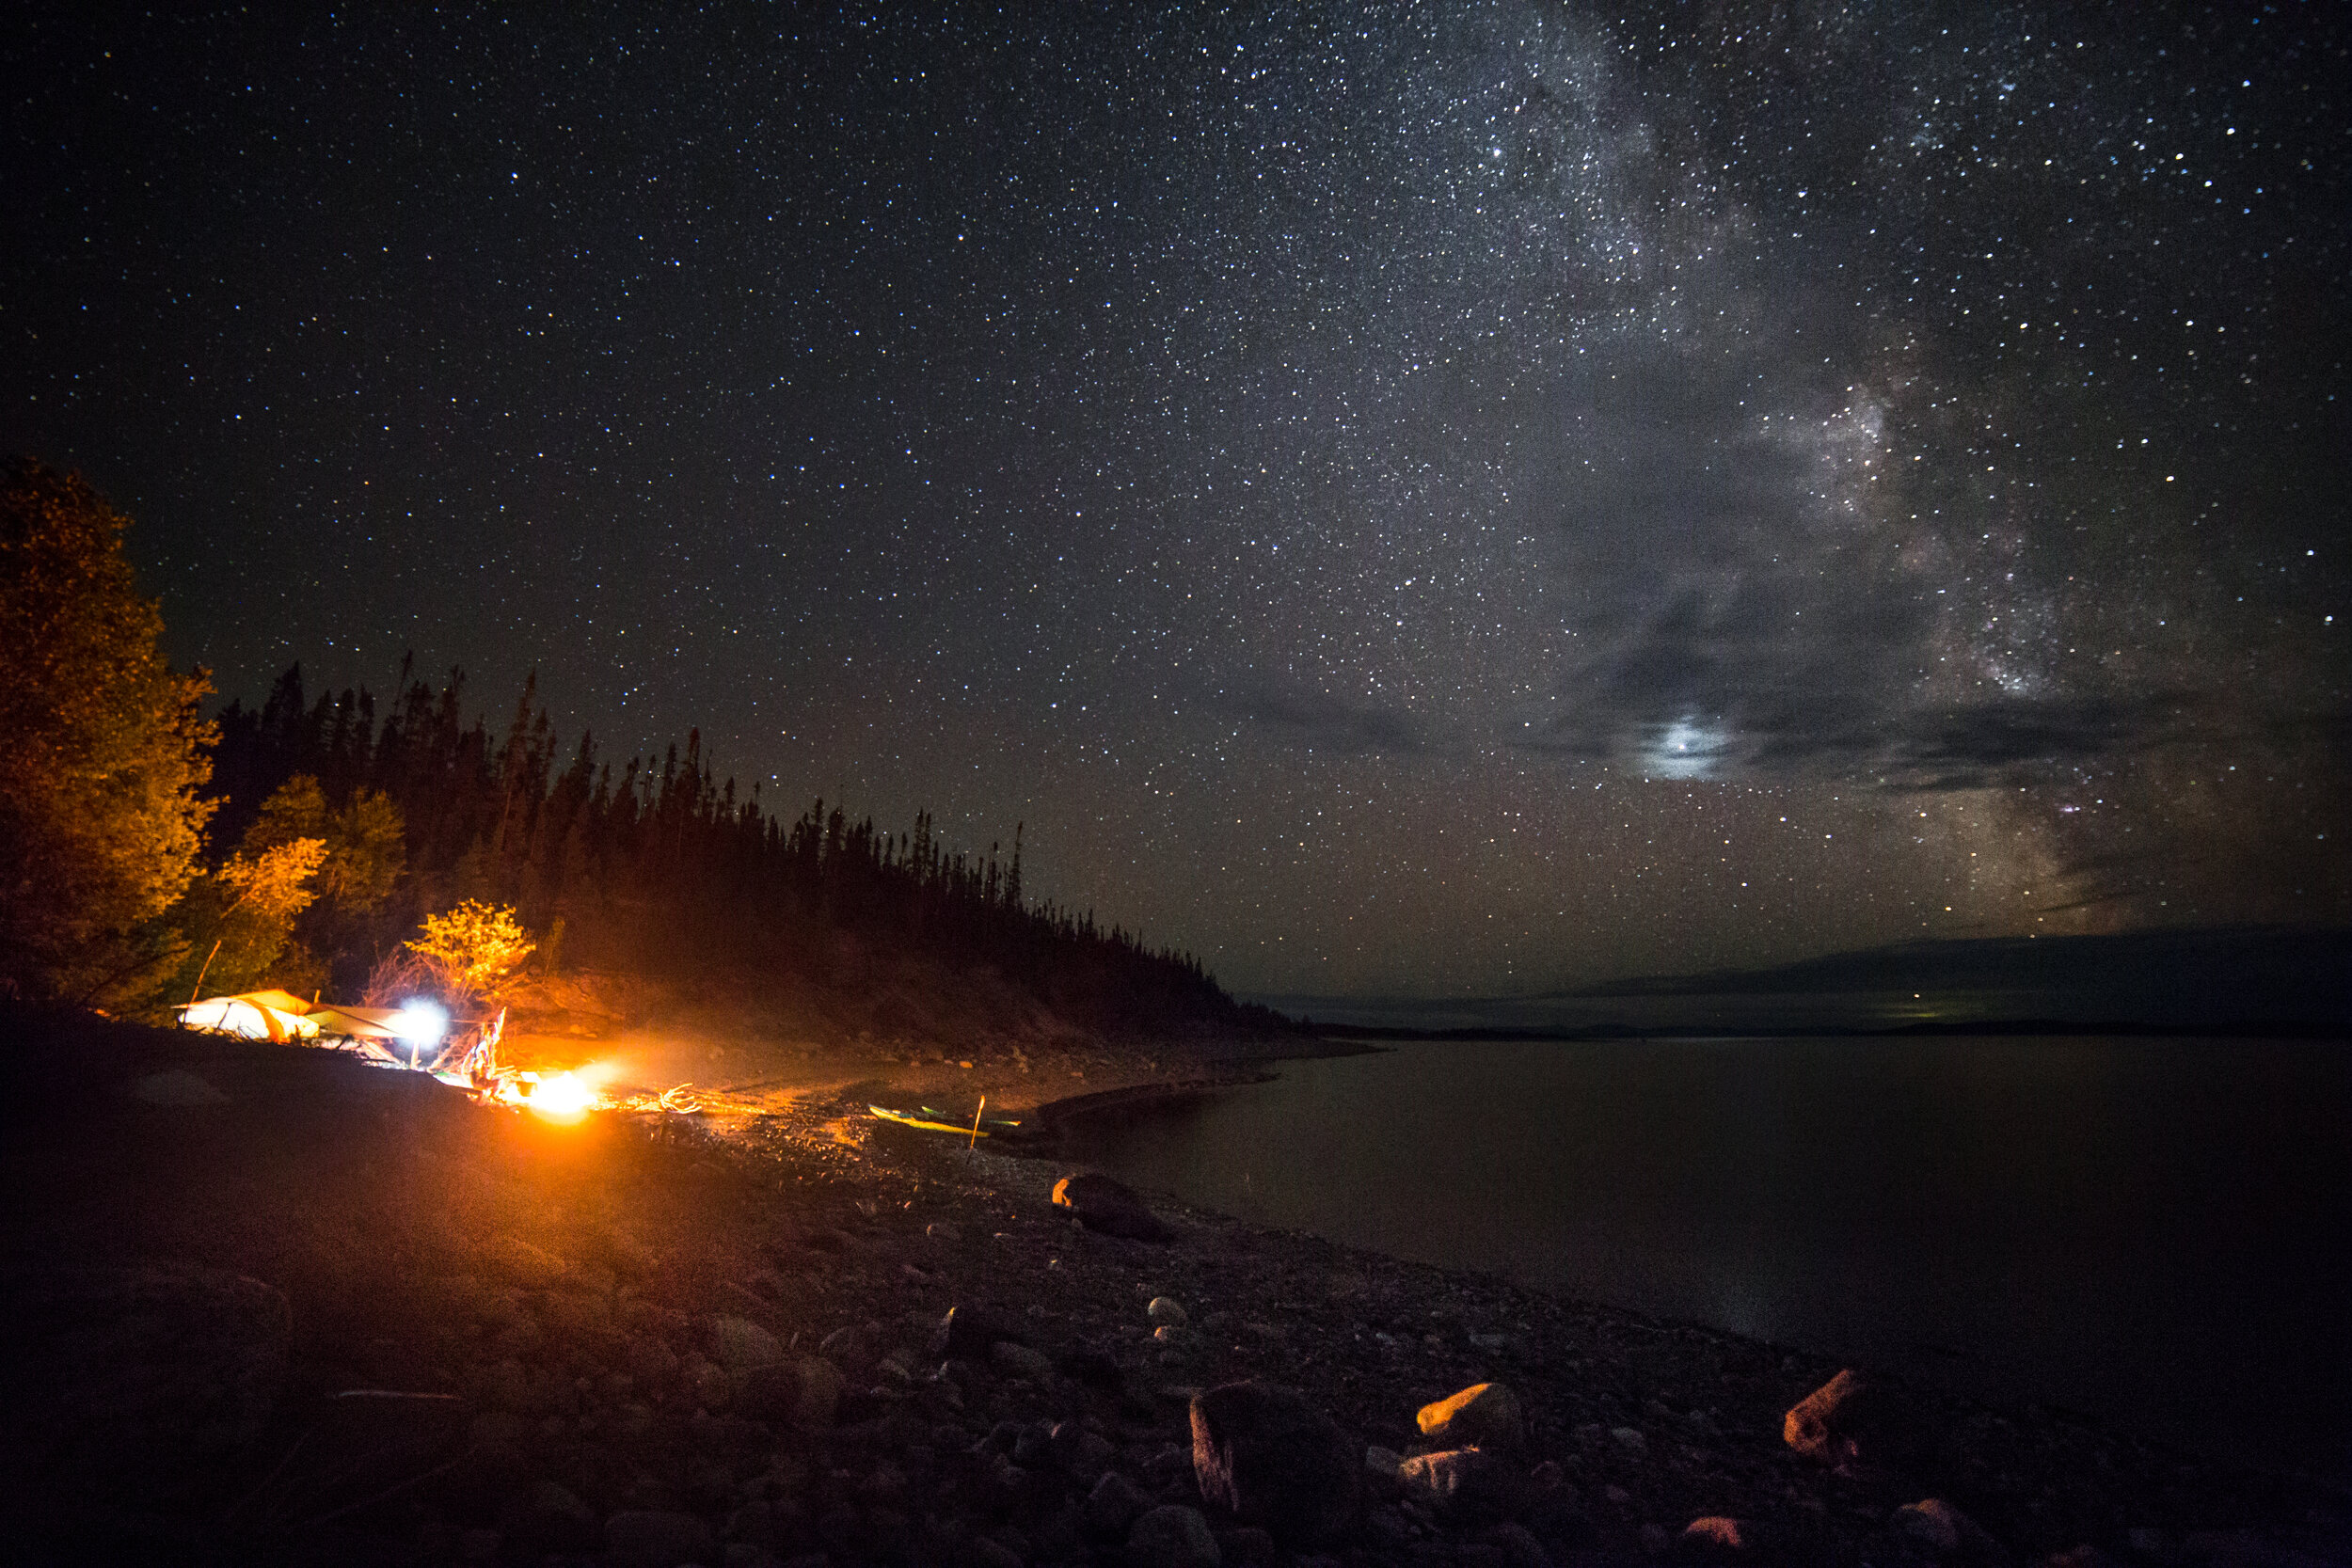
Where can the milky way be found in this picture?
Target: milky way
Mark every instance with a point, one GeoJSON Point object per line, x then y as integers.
{"type": "Point", "coordinates": [1442, 498]}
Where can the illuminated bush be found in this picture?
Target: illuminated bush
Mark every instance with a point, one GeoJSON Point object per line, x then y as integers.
{"type": "Point", "coordinates": [472, 947]}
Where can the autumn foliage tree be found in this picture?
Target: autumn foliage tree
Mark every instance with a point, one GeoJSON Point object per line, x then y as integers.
{"type": "Point", "coordinates": [242, 919]}
{"type": "Point", "coordinates": [104, 753]}
{"type": "Point", "coordinates": [472, 947]}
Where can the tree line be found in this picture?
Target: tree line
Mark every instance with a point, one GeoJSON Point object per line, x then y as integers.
{"type": "Point", "coordinates": [333, 825]}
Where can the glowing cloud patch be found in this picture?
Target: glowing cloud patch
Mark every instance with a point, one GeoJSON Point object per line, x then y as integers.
{"type": "Point", "coordinates": [1686, 749]}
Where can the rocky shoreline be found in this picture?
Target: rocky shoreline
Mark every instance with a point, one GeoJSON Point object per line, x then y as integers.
{"type": "Point", "coordinates": [275, 1306]}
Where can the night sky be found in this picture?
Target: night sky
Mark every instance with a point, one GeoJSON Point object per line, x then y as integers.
{"type": "Point", "coordinates": [1455, 497]}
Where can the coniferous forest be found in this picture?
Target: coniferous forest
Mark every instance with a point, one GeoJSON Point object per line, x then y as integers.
{"type": "Point", "coordinates": [655, 868]}
{"type": "Point", "coordinates": [149, 855]}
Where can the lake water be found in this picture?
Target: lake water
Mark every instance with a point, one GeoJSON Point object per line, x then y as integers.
{"type": "Point", "coordinates": [2159, 1231]}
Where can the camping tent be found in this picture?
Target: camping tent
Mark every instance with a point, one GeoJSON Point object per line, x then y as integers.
{"type": "Point", "coordinates": [404, 1036]}
{"type": "Point", "coordinates": [260, 1015]}
{"type": "Point", "coordinates": [355, 1022]}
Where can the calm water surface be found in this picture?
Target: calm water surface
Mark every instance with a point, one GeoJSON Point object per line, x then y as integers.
{"type": "Point", "coordinates": [2157, 1231]}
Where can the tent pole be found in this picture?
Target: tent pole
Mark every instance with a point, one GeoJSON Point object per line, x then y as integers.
{"type": "Point", "coordinates": [198, 989]}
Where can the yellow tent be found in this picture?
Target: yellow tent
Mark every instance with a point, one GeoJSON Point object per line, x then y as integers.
{"type": "Point", "coordinates": [359, 1023]}
{"type": "Point", "coordinates": [271, 1015]}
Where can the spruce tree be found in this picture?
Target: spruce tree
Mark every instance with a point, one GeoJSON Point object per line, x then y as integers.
{"type": "Point", "coordinates": [100, 821]}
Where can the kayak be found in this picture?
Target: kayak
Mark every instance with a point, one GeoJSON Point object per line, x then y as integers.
{"type": "Point", "coordinates": [911, 1119]}
{"type": "Point", "coordinates": [985, 1121]}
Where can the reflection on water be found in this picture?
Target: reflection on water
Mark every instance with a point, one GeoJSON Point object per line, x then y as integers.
{"type": "Point", "coordinates": [2149, 1229]}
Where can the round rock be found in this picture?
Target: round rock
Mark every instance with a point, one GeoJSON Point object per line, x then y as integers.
{"type": "Point", "coordinates": [1173, 1536]}
{"type": "Point", "coordinates": [1483, 1416]}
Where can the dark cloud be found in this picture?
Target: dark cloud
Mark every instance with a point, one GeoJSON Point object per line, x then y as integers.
{"type": "Point", "coordinates": [1318, 721]}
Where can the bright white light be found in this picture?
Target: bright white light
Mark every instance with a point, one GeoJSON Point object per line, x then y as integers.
{"type": "Point", "coordinates": [419, 1024]}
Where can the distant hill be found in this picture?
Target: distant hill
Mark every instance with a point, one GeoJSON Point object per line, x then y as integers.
{"type": "Point", "coordinates": [2229, 974]}
{"type": "Point", "coordinates": [2216, 978]}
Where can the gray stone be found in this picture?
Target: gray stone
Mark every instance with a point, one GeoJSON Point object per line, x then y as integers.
{"type": "Point", "coordinates": [802, 1393]}
{"type": "Point", "coordinates": [1016, 1360]}
{"type": "Point", "coordinates": [1034, 1448]}
{"type": "Point", "coordinates": [1172, 1536]}
{"type": "Point", "coordinates": [649, 1539]}
{"type": "Point", "coordinates": [579, 1317]}
{"type": "Point", "coordinates": [708, 1385]}
{"type": "Point", "coordinates": [1944, 1530]}
{"type": "Point", "coordinates": [1275, 1460]}
{"type": "Point", "coordinates": [1112, 1506]}
{"type": "Point", "coordinates": [1932, 1523]}
{"type": "Point", "coordinates": [650, 1361]}
{"type": "Point", "coordinates": [626, 1255]}
{"type": "Point", "coordinates": [969, 1329]}
{"type": "Point", "coordinates": [1096, 1368]}
{"type": "Point", "coordinates": [1470, 1485]}
{"type": "Point", "coordinates": [738, 1344]}
{"type": "Point", "coordinates": [1717, 1539]}
{"type": "Point", "coordinates": [1166, 1310]}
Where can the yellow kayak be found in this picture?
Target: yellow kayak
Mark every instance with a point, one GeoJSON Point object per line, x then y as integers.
{"type": "Point", "coordinates": [908, 1119]}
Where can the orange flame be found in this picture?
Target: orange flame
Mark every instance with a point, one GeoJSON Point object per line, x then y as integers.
{"type": "Point", "coordinates": [561, 1097]}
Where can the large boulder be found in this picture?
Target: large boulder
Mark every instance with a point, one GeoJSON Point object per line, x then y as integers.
{"type": "Point", "coordinates": [1274, 1460]}
{"type": "Point", "coordinates": [1466, 1485]}
{"type": "Point", "coordinates": [971, 1330]}
{"type": "Point", "coordinates": [1109, 1207]}
{"type": "Point", "coordinates": [1851, 1421]}
{"type": "Point", "coordinates": [1483, 1416]}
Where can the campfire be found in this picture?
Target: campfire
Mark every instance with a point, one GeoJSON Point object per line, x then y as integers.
{"type": "Point", "coordinates": [419, 1037]}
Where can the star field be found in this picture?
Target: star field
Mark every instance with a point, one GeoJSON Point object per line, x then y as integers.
{"type": "Point", "coordinates": [1469, 496]}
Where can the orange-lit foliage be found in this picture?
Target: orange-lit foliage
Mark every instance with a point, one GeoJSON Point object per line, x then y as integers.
{"type": "Point", "coordinates": [472, 946]}
{"type": "Point", "coordinates": [101, 753]}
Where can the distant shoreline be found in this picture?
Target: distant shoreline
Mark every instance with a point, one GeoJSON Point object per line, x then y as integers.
{"type": "Point", "coordinates": [2244, 1029]}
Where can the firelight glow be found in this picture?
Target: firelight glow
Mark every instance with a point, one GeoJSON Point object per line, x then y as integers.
{"type": "Point", "coordinates": [561, 1096]}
